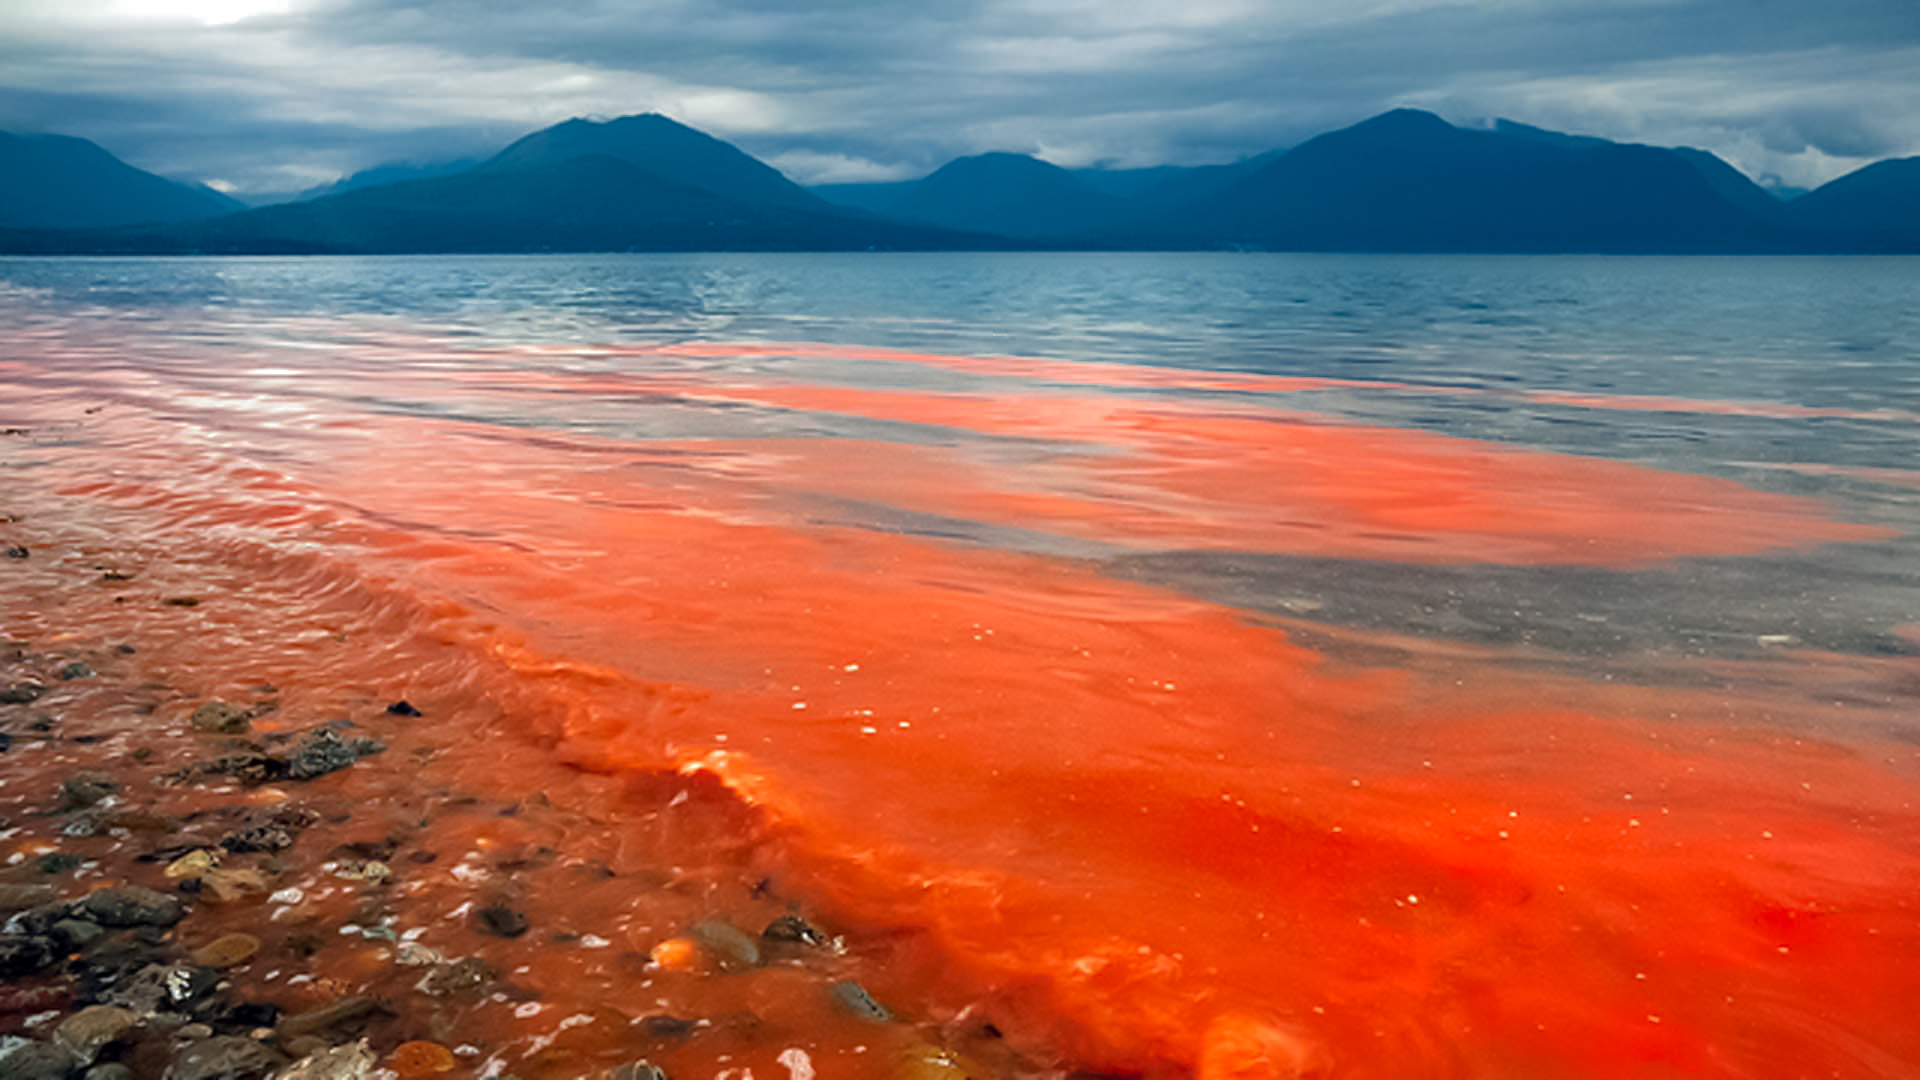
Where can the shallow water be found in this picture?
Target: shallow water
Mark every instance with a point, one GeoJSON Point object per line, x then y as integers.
{"type": "Point", "coordinates": [1353, 666]}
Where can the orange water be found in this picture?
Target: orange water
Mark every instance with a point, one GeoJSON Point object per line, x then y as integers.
{"type": "Point", "coordinates": [884, 670]}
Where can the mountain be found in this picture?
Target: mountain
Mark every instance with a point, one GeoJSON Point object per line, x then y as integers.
{"type": "Point", "coordinates": [390, 173]}
{"type": "Point", "coordinates": [552, 191]}
{"type": "Point", "coordinates": [1410, 181]}
{"type": "Point", "coordinates": [654, 144]}
{"type": "Point", "coordinates": [1876, 208]}
{"type": "Point", "coordinates": [60, 182]}
{"type": "Point", "coordinates": [1009, 194]}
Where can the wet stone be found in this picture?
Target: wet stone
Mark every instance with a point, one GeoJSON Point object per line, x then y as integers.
{"type": "Point", "coordinates": [75, 933]}
{"type": "Point", "coordinates": [500, 921]}
{"type": "Point", "coordinates": [350, 1061]}
{"type": "Point", "coordinates": [854, 998]}
{"type": "Point", "coordinates": [730, 947]}
{"type": "Point", "coordinates": [86, 789]}
{"type": "Point", "coordinates": [324, 751]}
{"type": "Point", "coordinates": [37, 1061]}
{"type": "Point", "coordinates": [226, 951]}
{"type": "Point", "coordinates": [793, 930]}
{"type": "Point", "coordinates": [403, 708]}
{"type": "Point", "coordinates": [160, 988]}
{"type": "Point", "coordinates": [22, 897]}
{"type": "Point", "coordinates": [15, 551]}
{"type": "Point", "coordinates": [637, 1070]}
{"type": "Point", "coordinates": [25, 955]}
{"type": "Point", "coordinates": [223, 1057]}
{"type": "Point", "coordinates": [220, 718]}
{"type": "Point", "coordinates": [333, 1014]}
{"type": "Point", "coordinates": [465, 974]}
{"type": "Point", "coordinates": [109, 1070]}
{"type": "Point", "coordinates": [132, 905]}
{"type": "Point", "coordinates": [93, 1029]}
{"type": "Point", "coordinates": [22, 693]}
{"type": "Point", "coordinates": [75, 670]}
{"type": "Point", "coordinates": [665, 1028]}
{"type": "Point", "coordinates": [57, 862]}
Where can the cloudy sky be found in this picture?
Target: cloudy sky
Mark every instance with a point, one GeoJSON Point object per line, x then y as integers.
{"type": "Point", "coordinates": [278, 95]}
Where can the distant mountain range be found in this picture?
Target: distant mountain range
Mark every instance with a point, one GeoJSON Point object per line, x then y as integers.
{"type": "Point", "coordinates": [1403, 181]}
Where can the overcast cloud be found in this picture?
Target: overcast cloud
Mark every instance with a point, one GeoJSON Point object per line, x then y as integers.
{"type": "Point", "coordinates": [277, 95]}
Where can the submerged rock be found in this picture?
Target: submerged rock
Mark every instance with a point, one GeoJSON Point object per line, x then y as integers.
{"type": "Point", "coordinates": [220, 718]}
{"type": "Point", "coordinates": [22, 693]}
{"type": "Point", "coordinates": [22, 897]}
{"type": "Point", "coordinates": [854, 998]}
{"type": "Point", "coordinates": [86, 789]}
{"type": "Point", "coordinates": [500, 921]}
{"type": "Point", "coordinates": [333, 1014]}
{"type": "Point", "coordinates": [637, 1070]}
{"type": "Point", "coordinates": [730, 948]}
{"type": "Point", "coordinates": [323, 751]}
{"type": "Point", "coordinates": [226, 950]}
{"type": "Point", "coordinates": [793, 930]}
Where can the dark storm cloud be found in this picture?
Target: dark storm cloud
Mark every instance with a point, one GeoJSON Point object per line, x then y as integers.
{"type": "Point", "coordinates": [855, 88]}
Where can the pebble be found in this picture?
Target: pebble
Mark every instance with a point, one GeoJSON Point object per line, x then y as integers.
{"type": "Point", "coordinates": [323, 751]}
{"type": "Point", "coordinates": [224, 1057]}
{"type": "Point", "coordinates": [637, 1070]}
{"type": "Point", "coordinates": [314, 1021]}
{"type": "Point", "coordinates": [855, 999]}
{"type": "Point", "coordinates": [220, 718]}
{"type": "Point", "coordinates": [795, 930]}
{"type": "Point", "coordinates": [413, 1060]}
{"type": "Point", "coordinates": [733, 949]}
{"type": "Point", "coordinates": [349, 1061]}
{"type": "Point", "coordinates": [500, 921]}
{"type": "Point", "coordinates": [37, 1061]}
{"type": "Point", "coordinates": [132, 905]}
{"type": "Point", "coordinates": [92, 1029]}
{"type": "Point", "coordinates": [21, 693]}
{"type": "Point", "coordinates": [226, 950]}
{"type": "Point", "coordinates": [75, 670]}
{"type": "Point", "coordinates": [109, 1070]}
{"type": "Point", "coordinates": [22, 897]}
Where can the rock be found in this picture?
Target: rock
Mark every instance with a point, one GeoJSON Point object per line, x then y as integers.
{"type": "Point", "coordinates": [84, 790]}
{"type": "Point", "coordinates": [637, 1070]}
{"type": "Point", "coordinates": [731, 948]}
{"type": "Point", "coordinates": [314, 1021]}
{"type": "Point", "coordinates": [194, 1031]}
{"type": "Point", "coordinates": [220, 886]}
{"type": "Point", "coordinates": [363, 870]}
{"type": "Point", "coordinates": [193, 864]}
{"type": "Point", "coordinates": [416, 1059]}
{"type": "Point", "coordinates": [6, 742]}
{"type": "Point", "coordinates": [854, 998]}
{"type": "Point", "coordinates": [220, 718]}
{"type": "Point", "coordinates": [109, 1070]}
{"type": "Point", "coordinates": [663, 1028]}
{"type": "Point", "coordinates": [22, 897]}
{"type": "Point", "coordinates": [226, 950]}
{"type": "Point", "coordinates": [132, 905]}
{"type": "Point", "coordinates": [22, 693]}
{"type": "Point", "coordinates": [92, 1029]}
{"type": "Point", "coordinates": [466, 973]}
{"type": "Point", "coordinates": [305, 1046]}
{"type": "Point", "coordinates": [16, 551]}
{"type": "Point", "coordinates": [794, 930]}
{"type": "Point", "coordinates": [37, 1061]}
{"type": "Point", "coordinates": [323, 751]}
{"type": "Point", "coordinates": [181, 601]}
{"type": "Point", "coordinates": [500, 921]}
{"type": "Point", "coordinates": [223, 1057]}
{"type": "Point", "coordinates": [75, 933]}
{"type": "Point", "coordinates": [23, 955]}
{"type": "Point", "coordinates": [75, 670]}
{"type": "Point", "coordinates": [265, 836]}
{"type": "Point", "coordinates": [159, 988]}
{"type": "Point", "coordinates": [403, 708]}
{"type": "Point", "coordinates": [347, 1062]}
{"type": "Point", "coordinates": [57, 862]}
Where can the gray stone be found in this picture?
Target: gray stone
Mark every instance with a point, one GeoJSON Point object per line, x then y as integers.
{"type": "Point", "coordinates": [92, 1029]}
{"type": "Point", "coordinates": [321, 752]}
{"type": "Point", "coordinates": [730, 947]}
{"type": "Point", "coordinates": [22, 897]}
{"type": "Point", "coordinates": [220, 718]}
{"type": "Point", "coordinates": [223, 1057]}
{"type": "Point", "coordinates": [109, 1070]}
{"type": "Point", "coordinates": [350, 1061]}
{"type": "Point", "coordinates": [21, 693]}
{"type": "Point", "coordinates": [132, 905]}
{"type": "Point", "coordinates": [37, 1061]}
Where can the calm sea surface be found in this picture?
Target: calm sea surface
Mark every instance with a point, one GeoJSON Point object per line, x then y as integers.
{"type": "Point", "coordinates": [1247, 665]}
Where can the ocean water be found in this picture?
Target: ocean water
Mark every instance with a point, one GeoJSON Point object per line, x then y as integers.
{"type": "Point", "coordinates": [1218, 665]}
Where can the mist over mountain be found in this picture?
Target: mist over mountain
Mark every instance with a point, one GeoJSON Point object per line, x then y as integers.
{"type": "Point", "coordinates": [60, 182]}
{"type": "Point", "coordinates": [1403, 181]}
{"type": "Point", "coordinates": [392, 173]}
